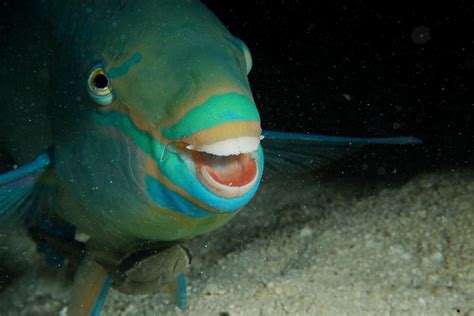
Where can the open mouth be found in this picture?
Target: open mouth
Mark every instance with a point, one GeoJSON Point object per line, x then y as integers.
{"type": "Point", "coordinates": [227, 168]}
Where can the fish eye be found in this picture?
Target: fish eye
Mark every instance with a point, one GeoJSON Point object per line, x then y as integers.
{"type": "Point", "coordinates": [99, 86]}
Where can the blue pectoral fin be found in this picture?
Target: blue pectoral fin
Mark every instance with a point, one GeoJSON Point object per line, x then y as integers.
{"type": "Point", "coordinates": [298, 152]}
{"type": "Point", "coordinates": [17, 187]}
{"type": "Point", "coordinates": [177, 291]}
{"type": "Point", "coordinates": [100, 301]}
{"type": "Point", "coordinates": [91, 286]}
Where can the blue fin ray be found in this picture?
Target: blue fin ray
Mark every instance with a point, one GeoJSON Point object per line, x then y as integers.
{"type": "Point", "coordinates": [91, 285]}
{"type": "Point", "coordinates": [177, 291]}
{"type": "Point", "coordinates": [17, 189]}
{"type": "Point", "coordinates": [286, 152]}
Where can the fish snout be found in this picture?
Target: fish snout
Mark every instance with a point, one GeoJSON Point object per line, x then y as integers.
{"type": "Point", "coordinates": [228, 168]}
{"type": "Point", "coordinates": [221, 140]}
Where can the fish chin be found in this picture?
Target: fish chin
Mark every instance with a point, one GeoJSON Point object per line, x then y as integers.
{"type": "Point", "coordinates": [227, 168]}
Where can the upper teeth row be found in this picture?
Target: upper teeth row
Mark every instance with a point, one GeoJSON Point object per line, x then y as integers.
{"type": "Point", "coordinates": [232, 146]}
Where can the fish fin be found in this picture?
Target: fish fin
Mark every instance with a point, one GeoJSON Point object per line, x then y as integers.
{"type": "Point", "coordinates": [298, 152]}
{"type": "Point", "coordinates": [17, 188]}
{"type": "Point", "coordinates": [91, 285]}
{"type": "Point", "coordinates": [55, 238]}
{"type": "Point", "coordinates": [177, 291]}
{"type": "Point", "coordinates": [25, 195]}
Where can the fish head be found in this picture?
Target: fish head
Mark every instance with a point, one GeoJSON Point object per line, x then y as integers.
{"type": "Point", "coordinates": [167, 119]}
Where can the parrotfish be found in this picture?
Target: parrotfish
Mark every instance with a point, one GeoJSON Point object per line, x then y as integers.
{"type": "Point", "coordinates": [132, 127]}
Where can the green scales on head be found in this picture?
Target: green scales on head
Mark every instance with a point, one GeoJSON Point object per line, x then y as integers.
{"type": "Point", "coordinates": [149, 135]}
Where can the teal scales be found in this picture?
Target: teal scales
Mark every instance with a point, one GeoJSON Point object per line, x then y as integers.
{"type": "Point", "coordinates": [143, 133]}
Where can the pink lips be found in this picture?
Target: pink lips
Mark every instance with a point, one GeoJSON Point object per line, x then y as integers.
{"type": "Point", "coordinates": [226, 176]}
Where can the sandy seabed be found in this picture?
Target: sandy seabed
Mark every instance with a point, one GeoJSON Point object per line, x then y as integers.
{"type": "Point", "coordinates": [326, 246]}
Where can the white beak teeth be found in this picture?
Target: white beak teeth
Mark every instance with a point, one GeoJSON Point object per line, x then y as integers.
{"type": "Point", "coordinates": [232, 146]}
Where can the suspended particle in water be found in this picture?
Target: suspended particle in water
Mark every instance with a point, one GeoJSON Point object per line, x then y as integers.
{"type": "Point", "coordinates": [381, 171]}
{"type": "Point", "coordinates": [420, 35]}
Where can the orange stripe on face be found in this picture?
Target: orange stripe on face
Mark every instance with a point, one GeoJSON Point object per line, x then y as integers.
{"type": "Point", "coordinates": [146, 125]}
{"type": "Point", "coordinates": [224, 131]}
{"type": "Point", "coordinates": [207, 136]}
{"type": "Point", "coordinates": [151, 168]}
{"type": "Point", "coordinates": [202, 98]}
{"type": "Point", "coordinates": [142, 123]}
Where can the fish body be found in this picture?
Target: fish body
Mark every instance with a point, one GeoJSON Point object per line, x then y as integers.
{"type": "Point", "coordinates": [136, 127]}
{"type": "Point", "coordinates": [179, 78]}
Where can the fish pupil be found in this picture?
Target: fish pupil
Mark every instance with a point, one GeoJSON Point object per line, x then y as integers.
{"type": "Point", "coordinates": [101, 81]}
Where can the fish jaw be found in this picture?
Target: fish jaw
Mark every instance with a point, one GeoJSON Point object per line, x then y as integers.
{"type": "Point", "coordinates": [199, 184]}
{"type": "Point", "coordinates": [219, 141]}
{"type": "Point", "coordinates": [227, 168]}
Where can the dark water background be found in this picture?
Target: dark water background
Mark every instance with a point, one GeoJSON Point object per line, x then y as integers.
{"type": "Point", "coordinates": [360, 68]}
{"type": "Point", "coordinates": [408, 69]}
{"type": "Point", "coordinates": [356, 68]}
